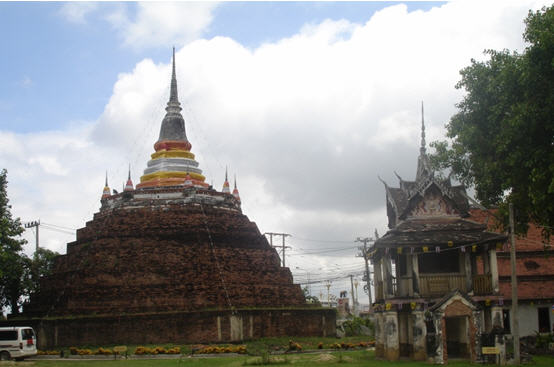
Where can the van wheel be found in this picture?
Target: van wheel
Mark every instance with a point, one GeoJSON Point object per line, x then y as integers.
{"type": "Point", "coordinates": [5, 356]}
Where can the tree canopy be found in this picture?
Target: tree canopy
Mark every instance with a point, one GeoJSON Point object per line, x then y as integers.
{"type": "Point", "coordinates": [13, 262]}
{"type": "Point", "coordinates": [502, 137]}
{"type": "Point", "coordinates": [19, 275]}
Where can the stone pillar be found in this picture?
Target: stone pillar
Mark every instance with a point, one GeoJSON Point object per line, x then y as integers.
{"type": "Point", "coordinates": [379, 335]}
{"type": "Point", "coordinates": [478, 328]}
{"type": "Point", "coordinates": [415, 275]}
{"type": "Point", "coordinates": [469, 271]}
{"type": "Point", "coordinates": [392, 340]}
{"type": "Point", "coordinates": [496, 318]}
{"type": "Point", "coordinates": [409, 273]}
{"type": "Point", "coordinates": [236, 328]}
{"type": "Point", "coordinates": [419, 336]}
{"type": "Point", "coordinates": [387, 281]}
{"type": "Point", "coordinates": [500, 344]}
{"type": "Point", "coordinates": [378, 276]}
{"type": "Point", "coordinates": [386, 278]}
{"type": "Point", "coordinates": [493, 265]}
{"type": "Point", "coordinates": [438, 320]}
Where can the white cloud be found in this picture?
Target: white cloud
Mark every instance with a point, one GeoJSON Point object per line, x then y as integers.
{"type": "Point", "coordinates": [76, 12]}
{"type": "Point", "coordinates": [26, 82]}
{"type": "Point", "coordinates": [157, 23]}
{"type": "Point", "coordinates": [307, 123]}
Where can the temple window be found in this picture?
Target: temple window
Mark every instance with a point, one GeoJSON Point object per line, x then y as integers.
{"type": "Point", "coordinates": [443, 262]}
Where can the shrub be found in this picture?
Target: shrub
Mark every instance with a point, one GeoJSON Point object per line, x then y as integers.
{"type": "Point", "coordinates": [294, 346]}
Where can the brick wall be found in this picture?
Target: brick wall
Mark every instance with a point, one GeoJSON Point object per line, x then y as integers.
{"type": "Point", "coordinates": [179, 327]}
{"type": "Point", "coordinates": [534, 264]}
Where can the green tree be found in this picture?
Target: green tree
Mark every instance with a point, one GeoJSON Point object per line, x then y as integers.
{"type": "Point", "coordinates": [502, 137]}
{"type": "Point", "coordinates": [41, 265]}
{"type": "Point", "coordinates": [14, 264]}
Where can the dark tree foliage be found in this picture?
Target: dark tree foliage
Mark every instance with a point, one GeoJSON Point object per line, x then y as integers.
{"type": "Point", "coordinates": [502, 137]}
{"type": "Point", "coordinates": [13, 263]}
{"type": "Point", "coordinates": [41, 266]}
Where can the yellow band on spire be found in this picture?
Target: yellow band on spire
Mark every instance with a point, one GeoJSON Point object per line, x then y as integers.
{"type": "Point", "coordinates": [170, 174]}
{"type": "Point", "coordinates": [172, 154]}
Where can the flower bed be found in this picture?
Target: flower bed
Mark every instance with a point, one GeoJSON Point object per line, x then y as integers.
{"type": "Point", "coordinates": [48, 352]}
{"type": "Point", "coordinates": [157, 350]}
{"type": "Point", "coordinates": [208, 349]}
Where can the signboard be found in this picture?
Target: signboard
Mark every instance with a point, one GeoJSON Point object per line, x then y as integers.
{"type": "Point", "coordinates": [490, 350]}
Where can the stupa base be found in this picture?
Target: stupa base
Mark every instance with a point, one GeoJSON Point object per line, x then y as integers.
{"type": "Point", "coordinates": [217, 326]}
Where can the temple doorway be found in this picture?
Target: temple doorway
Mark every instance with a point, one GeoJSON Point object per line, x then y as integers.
{"type": "Point", "coordinates": [457, 337]}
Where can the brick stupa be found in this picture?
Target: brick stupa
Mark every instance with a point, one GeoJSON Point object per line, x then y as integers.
{"type": "Point", "coordinates": [173, 260]}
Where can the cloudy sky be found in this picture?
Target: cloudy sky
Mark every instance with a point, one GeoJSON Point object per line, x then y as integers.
{"type": "Point", "coordinates": [307, 103]}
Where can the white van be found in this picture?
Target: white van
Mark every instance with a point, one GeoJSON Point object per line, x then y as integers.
{"type": "Point", "coordinates": [17, 342]}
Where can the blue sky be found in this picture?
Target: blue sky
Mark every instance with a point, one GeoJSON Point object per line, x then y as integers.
{"type": "Point", "coordinates": [53, 64]}
{"type": "Point", "coordinates": [307, 103]}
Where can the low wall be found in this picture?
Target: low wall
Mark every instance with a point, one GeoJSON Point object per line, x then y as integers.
{"type": "Point", "coordinates": [179, 327]}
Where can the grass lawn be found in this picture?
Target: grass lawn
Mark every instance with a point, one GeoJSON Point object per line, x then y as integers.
{"type": "Point", "coordinates": [346, 358]}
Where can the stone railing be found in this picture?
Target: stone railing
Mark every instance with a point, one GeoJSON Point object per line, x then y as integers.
{"type": "Point", "coordinates": [439, 285]}
{"type": "Point", "coordinates": [436, 285]}
{"type": "Point", "coordinates": [482, 284]}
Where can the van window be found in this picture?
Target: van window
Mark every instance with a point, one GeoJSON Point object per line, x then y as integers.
{"type": "Point", "coordinates": [27, 333]}
{"type": "Point", "coordinates": [8, 335]}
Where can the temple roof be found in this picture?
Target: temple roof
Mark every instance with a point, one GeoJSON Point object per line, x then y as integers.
{"type": "Point", "coordinates": [438, 231]}
{"type": "Point", "coordinates": [430, 211]}
{"type": "Point", "coordinates": [402, 201]}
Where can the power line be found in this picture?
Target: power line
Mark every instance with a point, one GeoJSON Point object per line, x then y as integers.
{"type": "Point", "coordinates": [325, 241]}
{"type": "Point", "coordinates": [283, 247]}
{"type": "Point", "coordinates": [62, 227]}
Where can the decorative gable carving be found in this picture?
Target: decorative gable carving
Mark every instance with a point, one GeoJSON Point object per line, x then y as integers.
{"type": "Point", "coordinates": [433, 203]}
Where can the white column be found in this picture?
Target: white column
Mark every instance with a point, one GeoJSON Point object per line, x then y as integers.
{"type": "Point", "coordinates": [494, 271]}
{"type": "Point", "coordinates": [415, 267]}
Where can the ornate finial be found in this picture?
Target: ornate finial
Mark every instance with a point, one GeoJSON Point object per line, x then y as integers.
{"type": "Point", "coordinates": [422, 148]}
{"type": "Point", "coordinates": [398, 176]}
{"type": "Point", "coordinates": [383, 181]}
{"type": "Point", "coordinates": [423, 163]}
{"type": "Point", "coordinates": [106, 191]}
{"type": "Point", "coordinates": [173, 97]}
{"type": "Point", "coordinates": [226, 188]}
{"type": "Point", "coordinates": [129, 185]}
{"type": "Point", "coordinates": [236, 191]}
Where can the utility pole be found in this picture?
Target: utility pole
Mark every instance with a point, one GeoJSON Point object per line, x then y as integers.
{"type": "Point", "coordinates": [35, 223]}
{"type": "Point", "coordinates": [515, 315]}
{"type": "Point", "coordinates": [356, 289]}
{"type": "Point", "coordinates": [363, 253]}
{"type": "Point", "coordinates": [283, 247]}
{"type": "Point", "coordinates": [352, 292]}
{"type": "Point", "coordinates": [328, 285]}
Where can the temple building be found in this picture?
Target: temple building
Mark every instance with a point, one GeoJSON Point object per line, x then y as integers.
{"type": "Point", "coordinates": [435, 272]}
{"type": "Point", "coordinates": [170, 261]}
